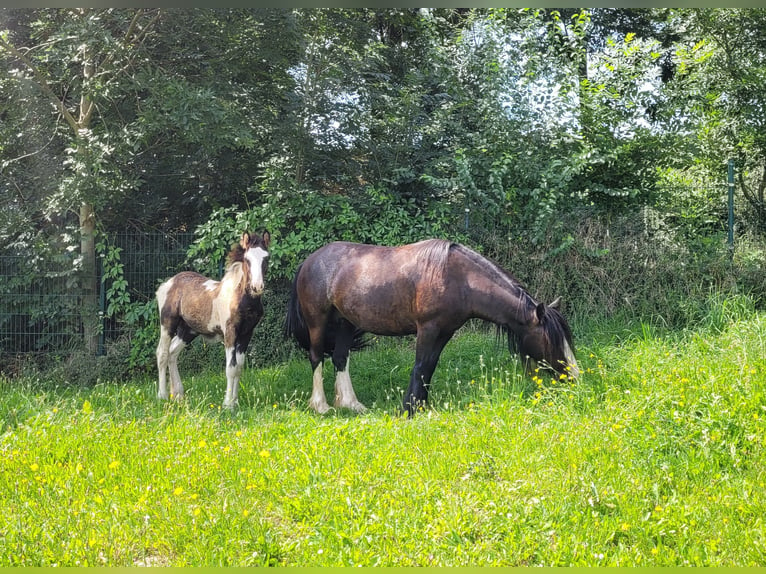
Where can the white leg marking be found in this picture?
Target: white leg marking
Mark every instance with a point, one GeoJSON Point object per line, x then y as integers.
{"type": "Point", "coordinates": [318, 401]}
{"type": "Point", "coordinates": [162, 363]}
{"type": "Point", "coordinates": [344, 392]}
{"type": "Point", "coordinates": [233, 374]}
{"type": "Point", "coordinates": [176, 386]}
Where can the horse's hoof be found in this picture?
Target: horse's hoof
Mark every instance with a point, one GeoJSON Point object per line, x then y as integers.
{"type": "Point", "coordinates": [320, 408]}
{"type": "Point", "coordinates": [357, 407]}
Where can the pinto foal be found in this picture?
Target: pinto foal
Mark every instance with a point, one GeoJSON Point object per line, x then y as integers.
{"type": "Point", "coordinates": [228, 310]}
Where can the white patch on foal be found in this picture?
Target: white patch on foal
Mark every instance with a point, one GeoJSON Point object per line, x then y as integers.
{"type": "Point", "coordinates": [221, 308]}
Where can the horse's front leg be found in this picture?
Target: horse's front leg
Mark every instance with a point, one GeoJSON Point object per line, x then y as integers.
{"type": "Point", "coordinates": [236, 351]}
{"type": "Point", "coordinates": [428, 347]}
{"type": "Point", "coordinates": [234, 363]}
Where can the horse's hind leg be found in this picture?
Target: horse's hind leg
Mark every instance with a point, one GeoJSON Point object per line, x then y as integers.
{"type": "Point", "coordinates": [176, 386]}
{"type": "Point", "coordinates": [318, 400]}
{"type": "Point", "coordinates": [345, 397]}
{"type": "Point", "coordinates": [163, 351]}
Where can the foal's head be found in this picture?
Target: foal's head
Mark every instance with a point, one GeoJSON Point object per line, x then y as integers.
{"type": "Point", "coordinates": [549, 340]}
{"type": "Point", "coordinates": [252, 252]}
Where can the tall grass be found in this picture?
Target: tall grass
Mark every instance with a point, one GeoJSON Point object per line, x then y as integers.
{"type": "Point", "coordinates": [655, 456]}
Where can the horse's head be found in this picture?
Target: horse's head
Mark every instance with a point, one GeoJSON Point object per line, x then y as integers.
{"type": "Point", "coordinates": [255, 255]}
{"type": "Point", "coordinates": [548, 340]}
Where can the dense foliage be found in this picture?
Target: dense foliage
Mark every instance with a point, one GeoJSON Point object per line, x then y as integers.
{"type": "Point", "coordinates": [536, 131]}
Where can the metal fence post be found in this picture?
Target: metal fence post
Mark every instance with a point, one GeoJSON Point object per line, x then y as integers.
{"type": "Point", "coordinates": [101, 350]}
{"type": "Point", "coordinates": [731, 208]}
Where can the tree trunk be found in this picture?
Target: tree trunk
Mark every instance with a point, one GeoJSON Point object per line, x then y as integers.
{"type": "Point", "coordinates": [89, 310]}
{"type": "Point", "coordinates": [90, 283]}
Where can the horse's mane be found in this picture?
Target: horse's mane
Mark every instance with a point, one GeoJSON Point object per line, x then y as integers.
{"type": "Point", "coordinates": [432, 255]}
{"type": "Point", "coordinates": [236, 255]}
{"type": "Point", "coordinates": [234, 268]}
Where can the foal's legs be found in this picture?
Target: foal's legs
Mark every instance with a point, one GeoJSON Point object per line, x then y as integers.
{"type": "Point", "coordinates": [168, 350]}
{"type": "Point", "coordinates": [344, 391]}
{"type": "Point", "coordinates": [428, 347]}
{"type": "Point", "coordinates": [176, 386]}
{"type": "Point", "coordinates": [235, 362]}
{"type": "Point", "coordinates": [162, 362]}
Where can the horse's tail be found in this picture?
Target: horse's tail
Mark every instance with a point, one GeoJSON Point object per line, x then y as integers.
{"type": "Point", "coordinates": [295, 325]}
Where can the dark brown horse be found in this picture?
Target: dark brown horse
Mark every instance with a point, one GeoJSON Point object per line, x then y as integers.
{"type": "Point", "coordinates": [228, 310]}
{"type": "Point", "coordinates": [430, 288]}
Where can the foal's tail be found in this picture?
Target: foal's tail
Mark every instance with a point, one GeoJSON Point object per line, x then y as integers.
{"type": "Point", "coordinates": [295, 325]}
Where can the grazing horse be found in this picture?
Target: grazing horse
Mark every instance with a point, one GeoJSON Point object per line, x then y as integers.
{"type": "Point", "coordinates": [429, 288]}
{"type": "Point", "coordinates": [228, 310]}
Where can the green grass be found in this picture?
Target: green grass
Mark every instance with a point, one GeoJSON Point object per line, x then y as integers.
{"type": "Point", "coordinates": [655, 456]}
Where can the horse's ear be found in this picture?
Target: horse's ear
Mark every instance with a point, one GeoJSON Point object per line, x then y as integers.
{"type": "Point", "coordinates": [540, 311]}
{"type": "Point", "coordinates": [266, 238]}
{"type": "Point", "coordinates": [244, 240]}
{"type": "Point", "coordinates": [556, 303]}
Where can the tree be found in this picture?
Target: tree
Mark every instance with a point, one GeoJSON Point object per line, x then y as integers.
{"type": "Point", "coordinates": [154, 117]}
{"type": "Point", "coordinates": [107, 42]}
{"type": "Point", "coordinates": [726, 71]}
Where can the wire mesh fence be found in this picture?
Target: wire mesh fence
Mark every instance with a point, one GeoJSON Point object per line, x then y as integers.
{"type": "Point", "coordinates": [41, 302]}
{"type": "Point", "coordinates": [39, 311]}
{"type": "Point", "coordinates": [148, 259]}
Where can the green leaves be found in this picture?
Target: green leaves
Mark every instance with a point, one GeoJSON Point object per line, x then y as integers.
{"type": "Point", "coordinates": [301, 223]}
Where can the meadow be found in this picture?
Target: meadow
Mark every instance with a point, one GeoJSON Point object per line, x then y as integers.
{"type": "Point", "coordinates": [654, 456]}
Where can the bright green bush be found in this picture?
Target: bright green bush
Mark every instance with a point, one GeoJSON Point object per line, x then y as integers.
{"type": "Point", "coordinates": [301, 222]}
